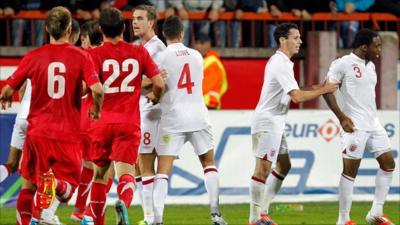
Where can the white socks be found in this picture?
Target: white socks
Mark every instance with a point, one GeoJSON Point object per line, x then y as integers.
{"type": "Point", "coordinates": [49, 213]}
{"type": "Point", "coordinates": [272, 186]}
{"type": "Point", "coordinates": [211, 182]}
{"type": "Point", "coordinates": [148, 185]}
{"type": "Point", "coordinates": [159, 195]}
{"type": "Point", "coordinates": [257, 187]}
{"type": "Point", "coordinates": [382, 185]}
{"type": "Point", "coordinates": [345, 198]}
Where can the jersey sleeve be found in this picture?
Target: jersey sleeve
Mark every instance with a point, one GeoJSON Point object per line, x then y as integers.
{"type": "Point", "coordinates": [90, 76]}
{"type": "Point", "coordinates": [335, 72]}
{"type": "Point", "coordinates": [21, 74]}
{"type": "Point", "coordinates": [286, 80]}
{"type": "Point", "coordinates": [149, 66]}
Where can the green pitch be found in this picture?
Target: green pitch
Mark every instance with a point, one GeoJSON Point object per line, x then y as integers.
{"type": "Point", "coordinates": [320, 213]}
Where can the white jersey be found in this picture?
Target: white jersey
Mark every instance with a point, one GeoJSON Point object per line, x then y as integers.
{"type": "Point", "coordinates": [154, 46]}
{"type": "Point", "coordinates": [182, 105]}
{"type": "Point", "coordinates": [272, 108]}
{"type": "Point", "coordinates": [25, 102]}
{"type": "Point", "coordinates": [357, 90]}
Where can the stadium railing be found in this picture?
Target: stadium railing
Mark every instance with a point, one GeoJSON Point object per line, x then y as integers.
{"type": "Point", "coordinates": [319, 21]}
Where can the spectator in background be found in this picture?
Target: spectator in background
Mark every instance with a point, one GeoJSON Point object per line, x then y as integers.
{"type": "Point", "coordinates": [258, 6]}
{"type": "Point", "coordinates": [275, 8]}
{"type": "Point", "coordinates": [348, 29]}
{"type": "Point", "coordinates": [88, 10]}
{"type": "Point", "coordinates": [389, 6]}
{"type": "Point", "coordinates": [183, 7]}
{"type": "Point", "coordinates": [215, 83]}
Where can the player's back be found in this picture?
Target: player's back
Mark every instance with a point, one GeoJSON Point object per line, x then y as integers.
{"type": "Point", "coordinates": [120, 67]}
{"type": "Point", "coordinates": [56, 73]}
{"type": "Point", "coordinates": [182, 104]}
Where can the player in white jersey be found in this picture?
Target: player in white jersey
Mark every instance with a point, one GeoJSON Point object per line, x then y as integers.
{"type": "Point", "coordinates": [184, 118]}
{"type": "Point", "coordinates": [361, 128]}
{"type": "Point", "coordinates": [144, 23]}
{"type": "Point", "coordinates": [269, 143]}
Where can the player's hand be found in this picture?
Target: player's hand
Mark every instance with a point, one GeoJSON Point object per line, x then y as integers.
{"type": "Point", "coordinates": [152, 98]}
{"type": "Point", "coordinates": [5, 101]}
{"type": "Point", "coordinates": [331, 86]}
{"type": "Point", "coordinates": [164, 74]}
{"type": "Point", "coordinates": [94, 114]}
{"type": "Point", "coordinates": [347, 124]}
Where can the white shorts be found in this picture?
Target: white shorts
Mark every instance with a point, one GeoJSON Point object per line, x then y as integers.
{"type": "Point", "coordinates": [150, 129]}
{"type": "Point", "coordinates": [354, 144]}
{"type": "Point", "coordinates": [19, 133]}
{"type": "Point", "coordinates": [268, 146]}
{"type": "Point", "coordinates": [171, 143]}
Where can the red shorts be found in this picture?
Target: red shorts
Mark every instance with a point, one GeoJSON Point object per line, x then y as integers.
{"type": "Point", "coordinates": [86, 147]}
{"type": "Point", "coordinates": [40, 154]}
{"type": "Point", "coordinates": [114, 142]}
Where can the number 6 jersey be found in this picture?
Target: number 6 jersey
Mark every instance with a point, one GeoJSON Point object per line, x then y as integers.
{"type": "Point", "coordinates": [56, 72]}
{"type": "Point", "coordinates": [182, 106]}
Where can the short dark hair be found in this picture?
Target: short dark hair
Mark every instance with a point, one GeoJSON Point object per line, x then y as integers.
{"type": "Point", "coordinates": [57, 21]}
{"type": "Point", "coordinates": [364, 37]}
{"type": "Point", "coordinates": [111, 22]}
{"type": "Point", "coordinates": [75, 26]}
{"type": "Point", "coordinates": [283, 30]}
{"type": "Point", "coordinates": [150, 9]}
{"type": "Point", "coordinates": [92, 30]}
{"type": "Point", "coordinates": [172, 27]}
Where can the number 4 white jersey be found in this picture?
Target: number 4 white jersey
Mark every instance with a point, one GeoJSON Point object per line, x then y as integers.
{"type": "Point", "coordinates": [182, 106]}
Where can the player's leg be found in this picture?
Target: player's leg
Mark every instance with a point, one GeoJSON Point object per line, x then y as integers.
{"type": "Point", "coordinates": [278, 174]}
{"type": "Point", "coordinates": [83, 190]}
{"type": "Point", "coordinates": [95, 210]}
{"type": "Point", "coordinates": [16, 146]}
{"type": "Point", "coordinates": [380, 146]}
{"type": "Point", "coordinates": [265, 147]}
{"type": "Point", "coordinates": [353, 145]}
{"type": "Point", "coordinates": [138, 182]}
{"type": "Point", "coordinates": [146, 163]}
{"type": "Point", "coordinates": [164, 167]}
{"type": "Point", "coordinates": [25, 202]}
{"type": "Point", "coordinates": [12, 163]}
{"type": "Point", "coordinates": [167, 150]}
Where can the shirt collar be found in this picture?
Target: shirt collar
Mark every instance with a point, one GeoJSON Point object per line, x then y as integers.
{"type": "Point", "coordinates": [284, 56]}
{"type": "Point", "coordinates": [357, 58]}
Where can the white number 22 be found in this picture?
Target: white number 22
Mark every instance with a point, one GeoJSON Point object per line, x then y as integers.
{"type": "Point", "coordinates": [116, 72]}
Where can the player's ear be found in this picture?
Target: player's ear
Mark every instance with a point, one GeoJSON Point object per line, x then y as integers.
{"type": "Point", "coordinates": [182, 34]}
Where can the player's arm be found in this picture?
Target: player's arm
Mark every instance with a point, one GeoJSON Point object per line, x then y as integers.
{"type": "Point", "coordinates": [21, 91]}
{"type": "Point", "coordinates": [146, 82]}
{"type": "Point", "coordinates": [98, 97]}
{"type": "Point", "coordinates": [158, 87]}
{"type": "Point", "coordinates": [345, 121]}
{"type": "Point", "coordinates": [299, 95]}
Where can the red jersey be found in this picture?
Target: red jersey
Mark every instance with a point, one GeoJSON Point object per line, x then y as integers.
{"type": "Point", "coordinates": [56, 73]}
{"type": "Point", "coordinates": [120, 68]}
{"type": "Point", "coordinates": [87, 104]}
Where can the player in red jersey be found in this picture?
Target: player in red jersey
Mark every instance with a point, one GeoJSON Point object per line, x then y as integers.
{"type": "Point", "coordinates": [116, 136]}
{"type": "Point", "coordinates": [91, 37]}
{"type": "Point", "coordinates": [57, 71]}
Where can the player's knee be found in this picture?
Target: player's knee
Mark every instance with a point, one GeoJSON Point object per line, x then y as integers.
{"type": "Point", "coordinates": [100, 177]}
{"type": "Point", "coordinates": [13, 164]}
{"type": "Point", "coordinates": [389, 165]}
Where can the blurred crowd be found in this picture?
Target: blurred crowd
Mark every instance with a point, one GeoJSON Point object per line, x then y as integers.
{"type": "Point", "coordinates": [235, 33]}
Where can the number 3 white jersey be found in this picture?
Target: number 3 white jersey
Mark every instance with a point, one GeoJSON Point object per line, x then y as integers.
{"type": "Point", "coordinates": [357, 89]}
{"type": "Point", "coordinates": [182, 106]}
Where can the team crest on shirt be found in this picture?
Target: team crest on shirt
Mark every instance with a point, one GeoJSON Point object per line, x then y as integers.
{"type": "Point", "coordinates": [353, 147]}
{"type": "Point", "coordinates": [166, 138]}
{"type": "Point", "coordinates": [273, 152]}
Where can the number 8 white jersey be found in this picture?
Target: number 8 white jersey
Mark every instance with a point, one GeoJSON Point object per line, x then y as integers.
{"type": "Point", "coordinates": [182, 106]}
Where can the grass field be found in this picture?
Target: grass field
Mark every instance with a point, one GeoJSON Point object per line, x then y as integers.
{"type": "Point", "coordinates": [320, 213]}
